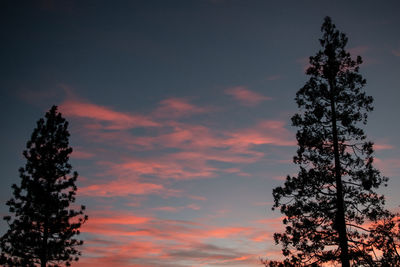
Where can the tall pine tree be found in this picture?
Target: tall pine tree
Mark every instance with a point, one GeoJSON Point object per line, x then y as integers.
{"type": "Point", "coordinates": [43, 223]}
{"type": "Point", "coordinates": [329, 204]}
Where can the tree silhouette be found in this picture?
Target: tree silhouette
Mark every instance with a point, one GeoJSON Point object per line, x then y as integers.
{"type": "Point", "coordinates": [43, 225]}
{"type": "Point", "coordinates": [328, 204]}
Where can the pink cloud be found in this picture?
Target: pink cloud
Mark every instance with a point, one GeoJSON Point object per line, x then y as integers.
{"type": "Point", "coordinates": [358, 50]}
{"type": "Point", "coordinates": [304, 62]}
{"type": "Point", "coordinates": [107, 218]}
{"type": "Point", "coordinates": [169, 209]}
{"type": "Point", "coordinates": [193, 207]}
{"type": "Point", "coordinates": [172, 134]}
{"type": "Point", "coordinates": [197, 197]}
{"type": "Point", "coordinates": [177, 107]}
{"type": "Point", "coordinates": [113, 223]}
{"type": "Point", "coordinates": [362, 51]}
{"type": "Point", "coordinates": [274, 77]}
{"type": "Point", "coordinates": [121, 225]}
{"type": "Point", "coordinates": [172, 166]}
{"type": "Point", "coordinates": [195, 146]}
{"type": "Point", "coordinates": [173, 151]}
{"type": "Point", "coordinates": [382, 146]}
{"type": "Point", "coordinates": [105, 254]}
{"type": "Point", "coordinates": [133, 166]}
{"type": "Point", "coordinates": [187, 135]}
{"type": "Point", "coordinates": [148, 254]}
{"type": "Point", "coordinates": [177, 209]}
{"type": "Point", "coordinates": [196, 151]}
{"type": "Point", "coordinates": [265, 203]}
{"type": "Point", "coordinates": [271, 132]}
{"type": "Point", "coordinates": [77, 153]}
{"type": "Point", "coordinates": [396, 52]}
{"type": "Point", "coordinates": [120, 187]}
{"type": "Point", "coordinates": [113, 120]}
{"type": "Point", "coordinates": [132, 240]}
{"type": "Point", "coordinates": [388, 166]}
{"type": "Point", "coordinates": [279, 178]}
{"type": "Point", "coordinates": [224, 232]}
{"type": "Point", "coordinates": [245, 96]}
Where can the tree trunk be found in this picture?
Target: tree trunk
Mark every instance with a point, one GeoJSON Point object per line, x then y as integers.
{"type": "Point", "coordinates": [43, 257]}
{"type": "Point", "coordinates": [340, 222]}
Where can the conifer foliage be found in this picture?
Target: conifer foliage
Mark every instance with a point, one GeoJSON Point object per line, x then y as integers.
{"type": "Point", "coordinates": [332, 211]}
{"type": "Point", "coordinates": [43, 223]}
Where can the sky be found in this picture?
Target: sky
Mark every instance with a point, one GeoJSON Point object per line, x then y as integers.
{"type": "Point", "coordinates": [180, 112]}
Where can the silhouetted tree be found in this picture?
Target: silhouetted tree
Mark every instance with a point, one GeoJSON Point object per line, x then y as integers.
{"type": "Point", "coordinates": [328, 204]}
{"type": "Point", "coordinates": [43, 225]}
{"type": "Point", "coordinates": [385, 236]}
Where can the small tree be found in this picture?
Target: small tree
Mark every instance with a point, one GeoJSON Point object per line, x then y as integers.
{"type": "Point", "coordinates": [43, 224]}
{"type": "Point", "coordinates": [328, 204]}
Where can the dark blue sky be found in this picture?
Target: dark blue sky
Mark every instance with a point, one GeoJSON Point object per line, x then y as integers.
{"type": "Point", "coordinates": [180, 113]}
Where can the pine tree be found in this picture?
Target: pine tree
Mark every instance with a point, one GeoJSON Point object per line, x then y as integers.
{"type": "Point", "coordinates": [43, 223]}
{"type": "Point", "coordinates": [328, 204]}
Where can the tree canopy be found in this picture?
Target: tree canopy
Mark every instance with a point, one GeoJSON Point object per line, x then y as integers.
{"type": "Point", "coordinates": [333, 212]}
{"type": "Point", "coordinates": [43, 223]}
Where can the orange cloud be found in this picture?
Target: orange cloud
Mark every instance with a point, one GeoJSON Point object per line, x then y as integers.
{"type": "Point", "coordinates": [245, 96]}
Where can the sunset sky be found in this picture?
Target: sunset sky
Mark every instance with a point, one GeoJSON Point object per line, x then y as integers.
{"type": "Point", "coordinates": [180, 114]}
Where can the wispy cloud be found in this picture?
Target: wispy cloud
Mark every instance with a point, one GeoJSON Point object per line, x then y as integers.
{"type": "Point", "coordinates": [272, 132]}
{"type": "Point", "coordinates": [193, 149]}
{"type": "Point", "coordinates": [396, 52]}
{"type": "Point", "coordinates": [245, 96]}
{"type": "Point", "coordinates": [177, 107]}
{"type": "Point", "coordinates": [121, 239]}
{"type": "Point", "coordinates": [174, 150]}
{"type": "Point", "coordinates": [78, 153]}
{"type": "Point", "coordinates": [166, 150]}
{"type": "Point", "coordinates": [120, 187]}
{"type": "Point", "coordinates": [104, 117]}
{"type": "Point", "coordinates": [274, 77]}
{"type": "Point", "coordinates": [358, 50]}
{"type": "Point", "coordinates": [389, 166]}
{"type": "Point", "coordinates": [304, 63]}
{"type": "Point", "coordinates": [383, 146]}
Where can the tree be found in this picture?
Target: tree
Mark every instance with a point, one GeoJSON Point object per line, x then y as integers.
{"type": "Point", "coordinates": [43, 225]}
{"type": "Point", "coordinates": [330, 203]}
